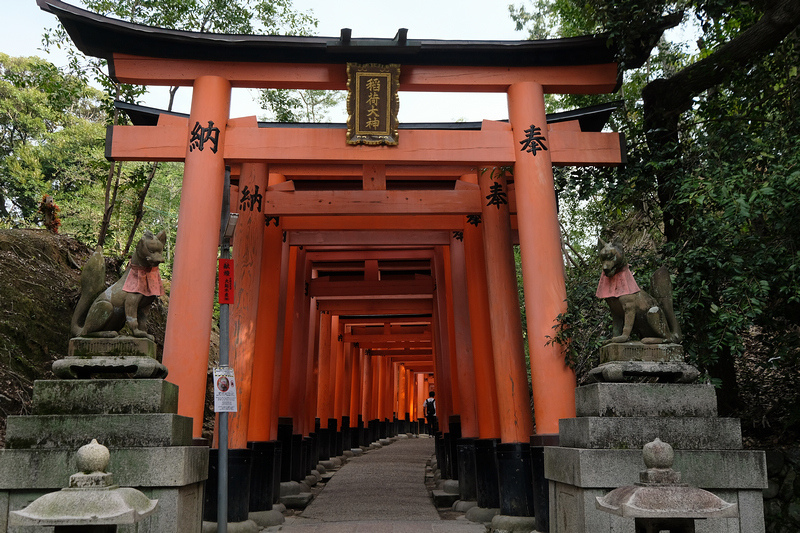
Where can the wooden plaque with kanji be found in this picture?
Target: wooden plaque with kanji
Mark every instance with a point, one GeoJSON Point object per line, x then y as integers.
{"type": "Point", "coordinates": [372, 103]}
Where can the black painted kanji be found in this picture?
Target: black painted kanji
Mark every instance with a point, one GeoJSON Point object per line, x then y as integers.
{"type": "Point", "coordinates": [474, 220]}
{"type": "Point", "coordinates": [497, 195]}
{"type": "Point", "coordinates": [200, 136]}
{"type": "Point", "coordinates": [534, 140]}
{"type": "Point", "coordinates": [249, 199]}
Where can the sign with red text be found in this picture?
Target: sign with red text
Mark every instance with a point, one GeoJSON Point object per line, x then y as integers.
{"type": "Point", "coordinates": [226, 281]}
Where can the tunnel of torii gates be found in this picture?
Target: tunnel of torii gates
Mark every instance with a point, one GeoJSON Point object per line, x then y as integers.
{"type": "Point", "coordinates": [367, 275]}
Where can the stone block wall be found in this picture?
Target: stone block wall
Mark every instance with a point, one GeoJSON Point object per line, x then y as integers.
{"type": "Point", "coordinates": [782, 496]}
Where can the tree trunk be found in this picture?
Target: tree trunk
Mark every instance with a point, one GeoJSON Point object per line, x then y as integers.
{"type": "Point", "coordinates": [137, 219]}
{"type": "Point", "coordinates": [728, 394]}
{"type": "Point", "coordinates": [111, 193]}
{"type": "Point", "coordinates": [143, 193]}
{"type": "Point", "coordinates": [111, 199]}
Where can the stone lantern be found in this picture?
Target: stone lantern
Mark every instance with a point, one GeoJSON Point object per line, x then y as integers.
{"type": "Point", "coordinates": [91, 503]}
{"type": "Point", "coordinates": [659, 502]}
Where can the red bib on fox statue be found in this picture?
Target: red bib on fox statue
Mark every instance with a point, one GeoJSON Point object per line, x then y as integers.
{"type": "Point", "coordinates": [619, 284]}
{"type": "Point", "coordinates": [144, 280]}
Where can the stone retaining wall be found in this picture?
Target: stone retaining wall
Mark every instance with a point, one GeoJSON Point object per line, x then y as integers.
{"type": "Point", "coordinates": [782, 497]}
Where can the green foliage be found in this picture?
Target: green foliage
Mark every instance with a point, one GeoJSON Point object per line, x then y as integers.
{"type": "Point", "coordinates": [290, 105]}
{"type": "Point", "coordinates": [42, 112]}
{"type": "Point", "coordinates": [122, 197]}
{"type": "Point", "coordinates": [733, 172]}
{"type": "Point", "coordinates": [739, 264]}
{"type": "Point", "coordinates": [213, 16]}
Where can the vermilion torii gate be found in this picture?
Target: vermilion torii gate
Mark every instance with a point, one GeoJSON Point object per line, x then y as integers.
{"type": "Point", "coordinates": [365, 274]}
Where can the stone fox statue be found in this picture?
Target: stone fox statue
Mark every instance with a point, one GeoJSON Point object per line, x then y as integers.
{"type": "Point", "coordinates": [102, 312]}
{"type": "Point", "coordinates": [632, 309]}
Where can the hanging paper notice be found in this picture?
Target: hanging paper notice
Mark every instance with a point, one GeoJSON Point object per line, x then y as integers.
{"type": "Point", "coordinates": [224, 390]}
{"type": "Point", "coordinates": [226, 281]}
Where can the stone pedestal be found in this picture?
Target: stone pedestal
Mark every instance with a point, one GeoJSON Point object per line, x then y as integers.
{"type": "Point", "coordinates": [133, 357]}
{"type": "Point", "coordinates": [151, 448]}
{"type": "Point", "coordinates": [600, 450]}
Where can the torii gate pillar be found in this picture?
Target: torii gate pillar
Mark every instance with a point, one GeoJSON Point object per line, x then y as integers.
{"type": "Point", "coordinates": [553, 382]}
{"type": "Point", "coordinates": [193, 275]}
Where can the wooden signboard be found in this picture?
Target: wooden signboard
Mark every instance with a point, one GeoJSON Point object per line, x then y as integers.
{"type": "Point", "coordinates": [372, 103]}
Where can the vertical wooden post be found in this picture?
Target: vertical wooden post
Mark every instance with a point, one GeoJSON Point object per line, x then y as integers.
{"type": "Point", "coordinates": [299, 353]}
{"type": "Point", "coordinates": [394, 386]}
{"type": "Point", "coordinates": [366, 387]}
{"type": "Point", "coordinates": [441, 345]}
{"type": "Point", "coordinates": [402, 396]}
{"type": "Point", "coordinates": [542, 265]}
{"type": "Point", "coordinates": [513, 453]}
{"type": "Point", "coordinates": [480, 320]}
{"type": "Point", "coordinates": [410, 394]}
{"type": "Point", "coordinates": [283, 338]}
{"type": "Point", "coordinates": [310, 372]}
{"type": "Point", "coordinates": [380, 364]}
{"type": "Point", "coordinates": [325, 386]}
{"type": "Point", "coordinates": [340, 385]}
{"type": "Point", "coordinates": [347, 378]}
{"type": "Point", "coordinates": [453, 376]}
{"type": "Point", "coordinates": [325, 396]}
{"type": "Point", "coordinates": [193, 275]}
{"type": "Point", "coordinates": [356, 407]}
{"type": "Point", "coordinates": [269, 324]}
{"type": "Point", "coordinates": [505, 320]}
{"type": "Point", "coordinates": [463, 342]}
{"type": "Point", "coordinates": [247, 253]}
{"type": "Point", "coordinates": [295, 298]}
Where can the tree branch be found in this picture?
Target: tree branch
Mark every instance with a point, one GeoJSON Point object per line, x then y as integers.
{"type": "Point", "coordinates": [675, 94]}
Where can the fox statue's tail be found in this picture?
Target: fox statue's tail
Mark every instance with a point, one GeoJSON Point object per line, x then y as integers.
{"type": "Point", "coordinates": [661, 287]}
{"type": "Point", "coordinates": [93, 282]}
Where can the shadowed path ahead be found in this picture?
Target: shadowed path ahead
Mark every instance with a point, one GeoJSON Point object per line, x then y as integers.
{"type": "Point", "coordinates": [382, 491]}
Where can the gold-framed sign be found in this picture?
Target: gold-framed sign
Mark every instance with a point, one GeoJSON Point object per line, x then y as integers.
{"type": "Point", "coordinates": [372, 103]}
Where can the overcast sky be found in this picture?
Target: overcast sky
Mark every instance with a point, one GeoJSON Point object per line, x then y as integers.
{"type": "Point", "coordinates": [24, 23]}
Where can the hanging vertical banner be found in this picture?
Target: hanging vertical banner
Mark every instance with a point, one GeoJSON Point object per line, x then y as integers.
{"type": "Point", "coordinates": [224, 390]}
{"type": "Point", "coordinates": [372, 103]}
{"type": "Point", "coordinates": [226, 281]}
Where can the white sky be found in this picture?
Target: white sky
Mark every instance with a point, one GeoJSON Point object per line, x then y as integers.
{"type": "Point", "coordinates": [24, 23]}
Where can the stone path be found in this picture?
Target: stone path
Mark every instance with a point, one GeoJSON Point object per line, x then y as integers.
{"type": "Point", "coordinates": [382, 491]}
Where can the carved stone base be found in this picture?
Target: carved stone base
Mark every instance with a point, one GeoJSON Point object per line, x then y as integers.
{"type": "Point", "coordinates": [664, 372]}
{"type": "Point", "coordinates": [113, 346]}
{"type": "Point", "coordinates": [133, 356]}
{"type": "Point", "coordinates": [636, 351]}
{"type": "Point", "coordinates": [137, 367]}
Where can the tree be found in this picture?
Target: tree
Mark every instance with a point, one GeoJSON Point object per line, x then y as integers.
{"type": "Point", "coordinates": [41, 108]}
{"type": "Point", "coordinates": [292, 105]}
{"type": "Point", "coordinates": [219, 16]}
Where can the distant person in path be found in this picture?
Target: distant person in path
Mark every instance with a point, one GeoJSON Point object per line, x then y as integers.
{"type": "Point", "coordinates": [429, 408]}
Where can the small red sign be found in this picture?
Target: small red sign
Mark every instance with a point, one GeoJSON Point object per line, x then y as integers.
{"type": "Point", "coordinates": [226, 281]}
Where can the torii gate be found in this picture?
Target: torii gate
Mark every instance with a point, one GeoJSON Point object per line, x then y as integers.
{"type": "Point", "coordinates": [299, 335]}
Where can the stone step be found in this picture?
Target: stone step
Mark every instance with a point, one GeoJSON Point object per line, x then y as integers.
{"type": "Point", "coordinates": [688, 433]}
{"type": "Point", "coordinates": [113, 431]}
{"type": "Point", "coordinates": [104, 396]}
{"type": "Point", "coordinates": [646, 399]}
